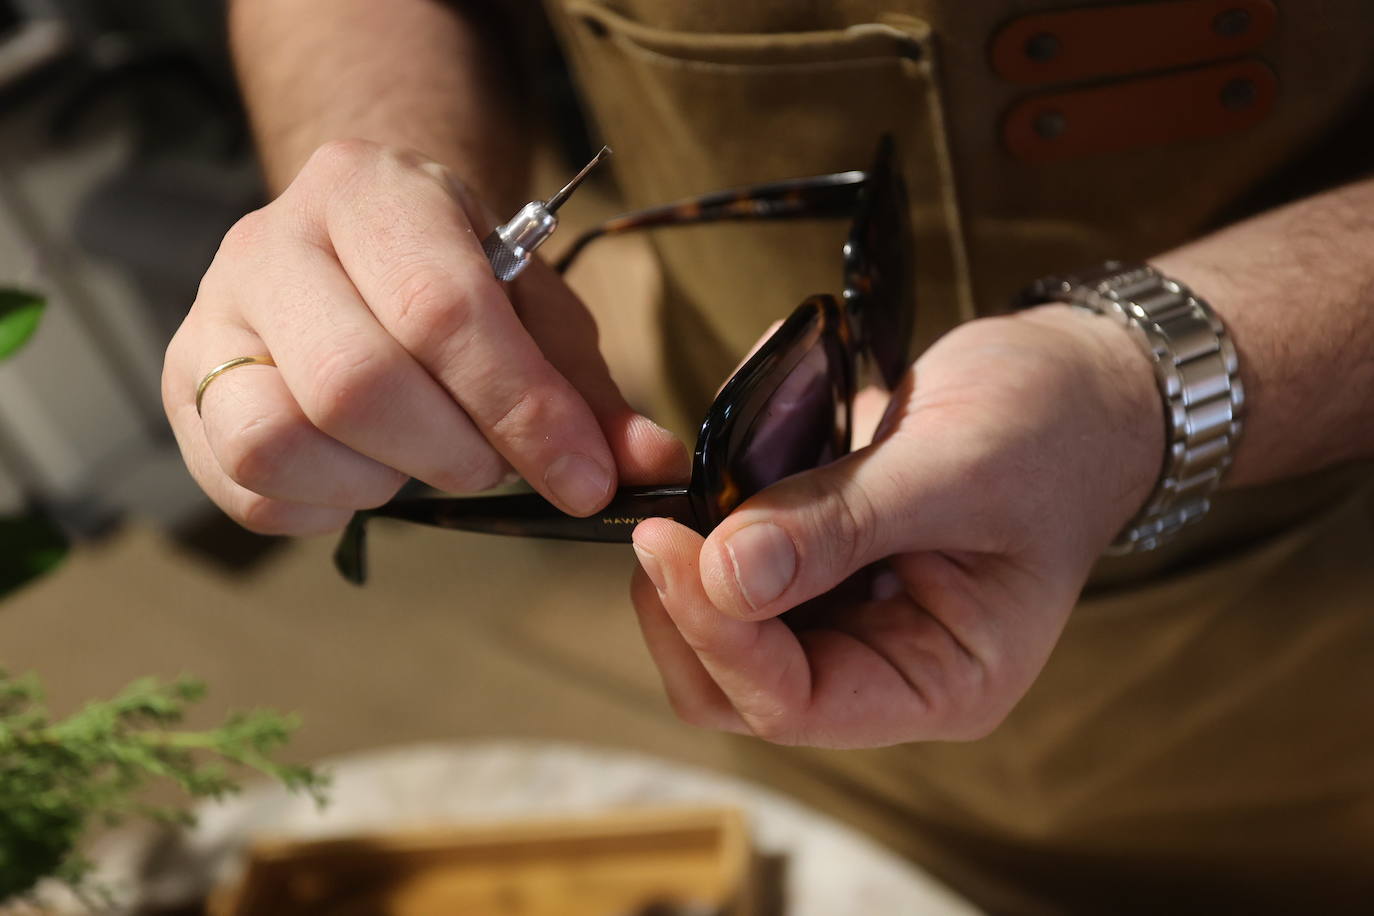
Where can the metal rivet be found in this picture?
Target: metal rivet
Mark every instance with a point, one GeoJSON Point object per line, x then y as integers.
{"type": "Point", "coordinates": [1231, 23]}
{"type": "Point", "coordinates": [1042, 47]}
{"type": "Point", "coordinates": [1050, 124]}
{"type": "Point", "coordinates": [1238, 94]}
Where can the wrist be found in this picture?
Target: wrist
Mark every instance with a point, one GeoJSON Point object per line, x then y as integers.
{"type": "Point", "coordinates": [1122, 410]}
{"type": "Point", "coordinates": [1197, 371]}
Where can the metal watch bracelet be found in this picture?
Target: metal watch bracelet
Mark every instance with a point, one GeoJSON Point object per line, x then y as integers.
{"type": "Point", "coordinates": [1196, 370]}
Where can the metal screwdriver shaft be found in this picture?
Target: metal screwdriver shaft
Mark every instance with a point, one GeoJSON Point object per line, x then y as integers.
{"type": "Point", "coordinates": [509, 247]}
{"type": "Point", "coordinates": [557, 200]}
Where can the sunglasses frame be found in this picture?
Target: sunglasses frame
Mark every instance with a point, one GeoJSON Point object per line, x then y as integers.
{"type": "Point", "coordinates": [713, 491]}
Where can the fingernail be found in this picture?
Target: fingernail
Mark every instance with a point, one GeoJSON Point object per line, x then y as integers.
{"type": "Point", "coordinates": [579, 483]}
{"type": "Point", "coordinates": [765, 561]}
{"type": "Point", "coordinates": [652, 569]}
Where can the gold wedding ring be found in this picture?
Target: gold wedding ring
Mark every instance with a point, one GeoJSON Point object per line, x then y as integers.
{"type": "Point", "coordinates": [225, 367]}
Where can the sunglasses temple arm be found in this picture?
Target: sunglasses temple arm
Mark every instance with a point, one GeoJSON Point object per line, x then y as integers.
{"type": "Point", "coordinates": [519, 515]}
{"type": "Point", "coordinates": [802, 198]}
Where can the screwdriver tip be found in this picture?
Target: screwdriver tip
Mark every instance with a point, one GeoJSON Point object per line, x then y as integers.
{"type": "Point", "coordinates": [558, 199]}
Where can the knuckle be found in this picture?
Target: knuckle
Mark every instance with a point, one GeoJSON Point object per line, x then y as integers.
{"type": "Point", "coordinates": [988, 701]}
{"type": "Point", "coordinates": [377, 492]}
{"type": "Point", "coordinates": [340, 158]}
{"type": "Point", "coordinates": [403, 164]}
{"type": "Point", "coordinates": [451, 184]}
{"type": "Point", "coordinates": [262, 515]}
{"type": "Point", "coordinates": [848, 525]}
{"type": "Point", "coordinates": [478, 470]}
{"type": "Point", "coordinates": [960, 701]}
{"type": "Point", "coordinates": [403, 157]}
{"type": "Point", "coordinates": [698, 641]}
{"type": "Point", "coordinates": [350, 390]}
{"type": "Point", "coordinates": [247, 236]}
{"type": "Point", "coordinates": [428, 303]}
{"type": "Point", "coordinates": [253, 453]}
{"type": "Point", "coordinates": [775, 729]}
{"type": "Point", "coordinates": [337, 170]}
{"type": "Point", "coordinates": [403, 160]}
{"type": "Point", "coordinates": [530, 416]}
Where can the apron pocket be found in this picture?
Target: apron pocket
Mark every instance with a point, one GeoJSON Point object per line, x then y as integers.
{"type": "Point", "coordinates": [691, 112]}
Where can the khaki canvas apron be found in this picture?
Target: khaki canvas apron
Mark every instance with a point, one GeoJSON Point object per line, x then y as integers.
{"type": "Point", "coordinates": [1204, 733]}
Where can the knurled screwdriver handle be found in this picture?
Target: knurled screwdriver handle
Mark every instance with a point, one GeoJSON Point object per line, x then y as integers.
{"type": "Point", "coordinates": [505, 262]}
{"type": "Point", "coordinates": [508, 248]}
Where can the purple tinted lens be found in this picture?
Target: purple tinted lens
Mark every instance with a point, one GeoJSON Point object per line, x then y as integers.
{"type": "Point", "coordinates": [796, 429]}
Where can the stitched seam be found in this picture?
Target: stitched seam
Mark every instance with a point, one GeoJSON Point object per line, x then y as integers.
{"type": "Point", "coordinates": [630, 47]}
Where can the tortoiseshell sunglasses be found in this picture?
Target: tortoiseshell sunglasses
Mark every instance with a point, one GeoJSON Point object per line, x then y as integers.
{"type": "Point", "coordinates": [786, 410]}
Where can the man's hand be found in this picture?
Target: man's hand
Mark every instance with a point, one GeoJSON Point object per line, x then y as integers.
{"type": "Point", "coordinates": [1004, 465]}
{"type": "Point", "coordinates": [397, 354]}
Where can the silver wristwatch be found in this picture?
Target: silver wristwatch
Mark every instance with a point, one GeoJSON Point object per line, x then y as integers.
{"type": "Point", "coordinates": [1195, 366]}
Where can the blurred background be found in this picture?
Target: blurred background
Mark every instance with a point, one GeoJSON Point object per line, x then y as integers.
{"type": "Point", "coordinates": [123, 158]}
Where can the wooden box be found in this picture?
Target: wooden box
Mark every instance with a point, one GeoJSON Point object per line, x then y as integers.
{"type": "Point", "coordinates": [650, 862]}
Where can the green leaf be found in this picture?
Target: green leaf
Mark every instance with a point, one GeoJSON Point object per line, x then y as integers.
{"type": "Point", "coordinates": [58, 780]}
{"type": "Point", "coordinates": [19, 316]}
{"type": "Point", "coordinates": [30, 545]}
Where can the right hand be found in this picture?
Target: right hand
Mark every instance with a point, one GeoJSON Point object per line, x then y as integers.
{"type": "Point", "coordinates": [398, 355]}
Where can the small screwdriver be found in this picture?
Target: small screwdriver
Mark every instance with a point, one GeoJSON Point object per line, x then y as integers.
{"type": "Point", "coordinates": [509, 247]}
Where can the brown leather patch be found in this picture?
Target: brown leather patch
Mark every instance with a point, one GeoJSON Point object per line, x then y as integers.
{"type": "Point", "coordinates": [1086, 43]}
{"type": "Point", "coordinates": [1196, 103]}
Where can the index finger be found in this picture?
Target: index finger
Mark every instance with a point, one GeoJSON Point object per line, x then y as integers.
{"type": "Point", "coordinates": [413, 253]}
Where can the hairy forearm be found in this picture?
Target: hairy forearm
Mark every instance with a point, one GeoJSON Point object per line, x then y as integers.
{"type": "Point", "coordinates": [421, 74]}
{"type": "Point", "coordinates": [1295, 288]}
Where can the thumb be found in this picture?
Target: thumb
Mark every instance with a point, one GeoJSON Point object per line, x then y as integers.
{"type": "Point", "coordinates": [805, 535]}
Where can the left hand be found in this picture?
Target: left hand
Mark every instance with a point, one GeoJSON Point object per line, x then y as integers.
{"type": "Point", "coordinates": [1004, 464]}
